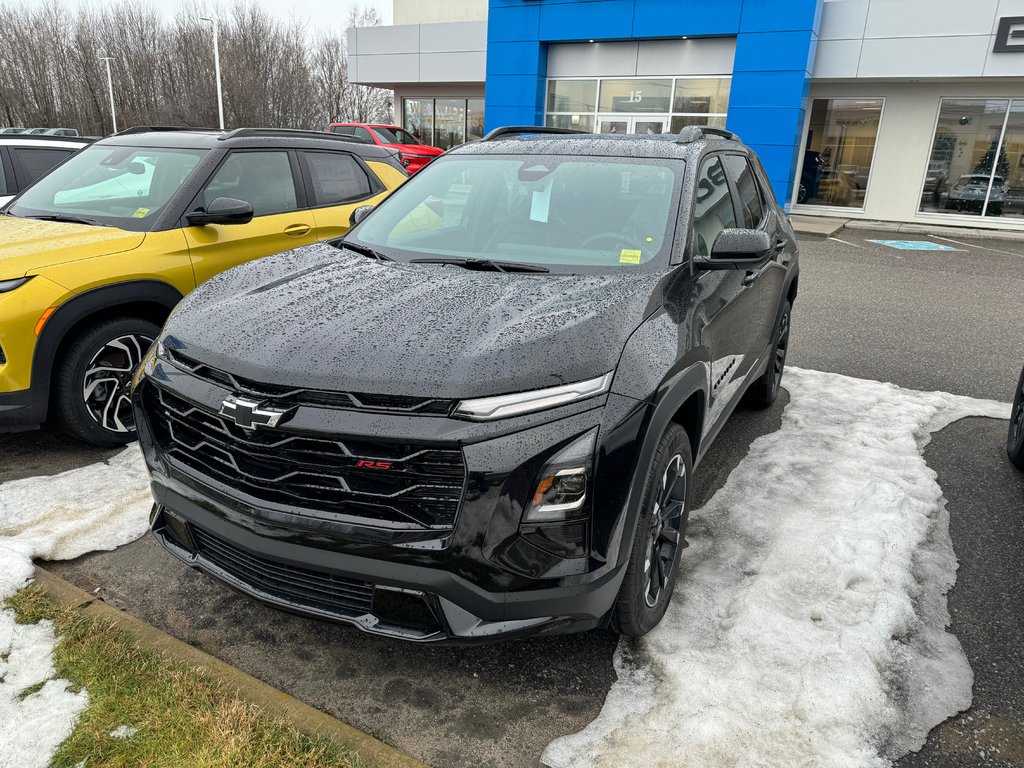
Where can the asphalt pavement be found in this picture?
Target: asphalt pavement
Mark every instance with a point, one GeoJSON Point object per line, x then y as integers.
{"type": "Point", "coordinates": [921, 319]}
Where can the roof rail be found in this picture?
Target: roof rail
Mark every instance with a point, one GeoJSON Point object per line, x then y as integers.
{"type": "Point", "coordinates": [155, 128]}
{"type": "Point", "coordinates": [240, 133]}
{"type": "Point", "coordinates": [518, 130]}
{"type": "Point", "coordinates": [698, 132]}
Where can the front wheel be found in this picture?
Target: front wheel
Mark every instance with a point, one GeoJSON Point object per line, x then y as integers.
{"type": "Point", "coordinates": [93, 379]}
{"type": "Point", "coordinates": [660, 537]}
{"type": "Point", "coordinates": [1015, 439]}
{"type": "Point", "coordinates": [764, 390]}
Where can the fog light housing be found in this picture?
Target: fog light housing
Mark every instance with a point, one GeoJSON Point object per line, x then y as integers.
{"type": "Point", "coordinates": [561, 489]}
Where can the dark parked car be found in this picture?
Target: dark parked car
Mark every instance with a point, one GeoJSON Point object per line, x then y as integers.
{"type": "Point", "coordinates": [479, 413]}
{"type": "Point", "coordinates": [1015, 440]}
{"type": "Point", "coordinates": [26, 158]}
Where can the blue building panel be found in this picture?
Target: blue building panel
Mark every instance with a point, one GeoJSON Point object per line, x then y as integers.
{"type": "Point", "coordinates": [776, 41]}
{"type": "Point", "coordinates": [652, 17]}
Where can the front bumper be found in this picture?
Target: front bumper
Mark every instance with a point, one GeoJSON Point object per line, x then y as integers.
{"type": "Point", "coordinates": [435, 605]}
{"type": "Point", "coordinates": [22, 410]}
{"type": "Point", "coordinates": [480, 578]}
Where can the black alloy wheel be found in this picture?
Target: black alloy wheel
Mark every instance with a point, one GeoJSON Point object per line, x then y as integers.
{"type": "Point", "coordinates": [92, 385]}
{"type": "Point", "coordinates": [660, 537]}
{"type": "Point", "coordinates": [1015, 438]}
{"type": "Point", "coordinates": [664, 530]}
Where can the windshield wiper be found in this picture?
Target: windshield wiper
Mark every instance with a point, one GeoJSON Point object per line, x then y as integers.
{"type": "Point", "coordinates": [64, 219]}
{"type": "Point", "coordinates": [497, 266]}
{"type": "Point", "coordinates": [362, 249]}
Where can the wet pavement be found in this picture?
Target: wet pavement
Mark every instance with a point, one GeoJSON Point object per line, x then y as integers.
{"type": "Point", "coordinates": [926, 320]}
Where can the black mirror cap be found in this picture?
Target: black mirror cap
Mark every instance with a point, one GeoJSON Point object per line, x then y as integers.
{"type": "Point", "coordinates": [359, 214]}
{"type": "Point", "coordinates": [223, 210]}
{"type": "Point", "coordinates": [738, 249]}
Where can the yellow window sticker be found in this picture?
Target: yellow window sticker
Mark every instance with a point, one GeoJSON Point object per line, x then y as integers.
{"type": "Point", "coordinates": [629, 256]}
{"type": "Point", "coordinates": [141, 213]}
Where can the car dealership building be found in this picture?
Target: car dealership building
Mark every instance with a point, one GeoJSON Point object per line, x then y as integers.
{"type": "Point", "coordinates": [894, 110]}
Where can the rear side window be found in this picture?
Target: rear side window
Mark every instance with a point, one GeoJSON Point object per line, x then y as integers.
{"type": "Point", "coordinates": [714, 209]}
{"type": "Point", "coordinates": [751, 209]}
{"type": "Point", "coordinates": [34, 163]}
{"type": "Point", "coordinates": [4, 188]}
{"type": "Point", "coordinates": [336, 178]}
{"type": "Point", "coordinates": [344, 130]}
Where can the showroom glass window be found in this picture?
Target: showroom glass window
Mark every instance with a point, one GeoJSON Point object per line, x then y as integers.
{"type": "Point", "coordinates": [838, 150]}
{"type": "Point", "coordinates": [446, 122]}
{"type": "Point", "coordinates": [976, 166]}
{"type": "Point", "coordinates": [637, 105]}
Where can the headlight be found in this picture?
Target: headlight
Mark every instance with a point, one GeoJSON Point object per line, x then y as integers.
{"type": "Point", "coordinates": [504, 406]}
{"type": "Point", "coordinates": [148, 362]}
{"type": "Point", "coordinates": [10, 285]}
{"type": "Point", "coordinates": [561, 490]}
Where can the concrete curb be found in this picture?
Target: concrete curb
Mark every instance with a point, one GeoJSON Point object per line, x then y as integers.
{"type": "Point", "coordinates": [302, 716]}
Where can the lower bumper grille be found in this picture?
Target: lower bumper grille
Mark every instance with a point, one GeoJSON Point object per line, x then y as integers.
{"type": "Point", "coordinates": [302, 587]}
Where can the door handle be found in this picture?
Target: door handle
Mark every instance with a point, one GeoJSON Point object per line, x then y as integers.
{"type": "Point", "coordinates": [297, 230]}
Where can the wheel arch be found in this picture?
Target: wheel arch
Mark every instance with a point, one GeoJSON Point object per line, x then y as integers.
{"type": "Point", "coordinates": [681, 399]}
{"type": "Point", "coordinates": [149, 299]}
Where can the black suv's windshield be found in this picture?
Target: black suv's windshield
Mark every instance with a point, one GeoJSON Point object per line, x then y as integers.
{"type": "Point", "coordinates": [114, 186]}
{"type": "Point", "coordinates": [570, 214]}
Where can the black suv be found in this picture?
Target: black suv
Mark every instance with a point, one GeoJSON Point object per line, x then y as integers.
{"type": "Point", "coordinates": [1015, 439]}
{"type": "Point", "coordinates": [478, 414]}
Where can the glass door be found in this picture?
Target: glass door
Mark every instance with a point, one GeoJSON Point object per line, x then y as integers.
{"type": "Point", "coordinates": [642, 124]}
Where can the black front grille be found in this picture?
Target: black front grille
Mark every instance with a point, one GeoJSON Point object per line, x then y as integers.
{"type": "Point", "coordinates": [303, 587]}
{"type": "Point", "coordinates": [347, 480]}
{"type": "Point", "coordinates": [285, 396]}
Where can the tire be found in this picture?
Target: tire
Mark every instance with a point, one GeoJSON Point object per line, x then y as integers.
{"type": "Point", "coordinates": [763, 391]}
{"type": "Point", "coordinates": [92, 379]}
{"type": "Point", "coordinates": [649, 582]}
{"type": "Point", "coordinates": [1015, 439]}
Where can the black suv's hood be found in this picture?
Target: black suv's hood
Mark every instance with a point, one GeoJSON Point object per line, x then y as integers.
{"type": "Point", "coordinates": [321, 318]}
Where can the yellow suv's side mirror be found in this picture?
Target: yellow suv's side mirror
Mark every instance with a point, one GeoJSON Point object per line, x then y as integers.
{"type": "Point", "coordinates": [223, 210]}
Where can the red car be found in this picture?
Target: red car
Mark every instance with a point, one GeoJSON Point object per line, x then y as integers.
{"type": "Point", "coordinates": [414, 153]}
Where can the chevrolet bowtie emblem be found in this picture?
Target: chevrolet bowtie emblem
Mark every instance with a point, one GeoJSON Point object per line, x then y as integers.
{"type": "Point", "coordinates": [250, 414]}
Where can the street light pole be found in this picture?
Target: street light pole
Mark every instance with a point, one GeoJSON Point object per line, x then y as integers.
{"type": "Point", "coordinates": [216, 65]}
{"type": "Point", "coordinates": [110, 88]}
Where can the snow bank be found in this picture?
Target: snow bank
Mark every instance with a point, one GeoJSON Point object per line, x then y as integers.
{"type": "Point", "coordinates": [57, 518]}
{"type": "Point", "coordinates": [808, 628]}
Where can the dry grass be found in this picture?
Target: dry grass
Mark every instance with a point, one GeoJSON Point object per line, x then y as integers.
{"type": "Point", "coordinates": [184, 717]}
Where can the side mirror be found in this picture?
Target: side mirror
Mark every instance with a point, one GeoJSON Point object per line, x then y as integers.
{"type": "Point", "coordinates": [738, 249]}
{"type": "Point", "coordinates": [223, 210]}
{"type": "Point", "coordinates": [359, 214]}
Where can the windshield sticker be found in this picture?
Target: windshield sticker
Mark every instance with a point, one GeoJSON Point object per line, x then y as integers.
{"type": "Point", "coordinates": [629, 256]}
{"type": "Point", "coordinates": [541, 204]}
{"type": "Point", "coordinates": [140, 213]}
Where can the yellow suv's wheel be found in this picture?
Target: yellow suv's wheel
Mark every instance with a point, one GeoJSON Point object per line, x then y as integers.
{"type": "Point", "coordinates": [93, 379]}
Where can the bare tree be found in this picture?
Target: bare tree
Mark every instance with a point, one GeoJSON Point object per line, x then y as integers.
{"type": "Point", "coordinates": [274, 73]}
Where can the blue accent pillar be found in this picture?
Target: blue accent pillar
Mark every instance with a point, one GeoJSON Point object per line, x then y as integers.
{"type": "Point", "coordinates": [771, 78]}
{"type": "Point", "coordinates": [776, 41]}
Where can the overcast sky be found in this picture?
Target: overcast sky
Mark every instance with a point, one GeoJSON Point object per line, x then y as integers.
{"type": "Point", "coordinates": [328, 15]}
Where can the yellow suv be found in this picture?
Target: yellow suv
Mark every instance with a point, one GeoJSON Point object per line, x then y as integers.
{"type": "Point", "coordinates": [95, 255]}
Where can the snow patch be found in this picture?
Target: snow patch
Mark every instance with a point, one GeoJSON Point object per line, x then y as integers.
{"type": "Point", "coordinates": [59, 517]}
{"type": "Point", "coordinates": [124, 732]}
{"type": "Point", "coordinates": [808, 626]}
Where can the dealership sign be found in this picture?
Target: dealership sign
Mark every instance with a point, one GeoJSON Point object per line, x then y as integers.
{"type": "Point", "coordinates": [1010, 35]}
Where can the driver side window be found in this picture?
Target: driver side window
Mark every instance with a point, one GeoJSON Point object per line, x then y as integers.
{"type": "Point", "coordinates": [262, 179]}
{"type": "Point", "coordinates": [713, 210]}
